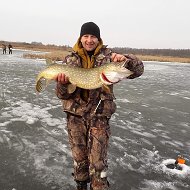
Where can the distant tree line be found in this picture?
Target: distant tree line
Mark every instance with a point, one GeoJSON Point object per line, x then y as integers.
{"type": "Point", "coordinates": [184, 53]}
{"type": "Point", "coordinates": [39, 45]}
{"type": "Point", "coordinates": [154, 52]}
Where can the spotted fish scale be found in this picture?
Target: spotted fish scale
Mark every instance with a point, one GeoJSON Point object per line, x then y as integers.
{"type": "Point", "coordinates": [93, 78]}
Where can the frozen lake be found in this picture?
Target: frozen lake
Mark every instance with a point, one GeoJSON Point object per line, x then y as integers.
{"type": "Point", "coordinates": [151, 125]}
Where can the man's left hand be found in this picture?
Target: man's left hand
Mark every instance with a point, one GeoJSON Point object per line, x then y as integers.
{"type": "Point", "coordinates": [118, 57]}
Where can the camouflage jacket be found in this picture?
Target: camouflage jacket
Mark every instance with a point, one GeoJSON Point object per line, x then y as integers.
{"type": "Point", "coordinates": [99, 102]}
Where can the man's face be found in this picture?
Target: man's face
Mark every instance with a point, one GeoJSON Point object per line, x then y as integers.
{"type": "Point", "coordinates": [89, 42]}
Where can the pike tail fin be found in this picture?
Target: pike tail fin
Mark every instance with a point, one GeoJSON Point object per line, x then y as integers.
{"type": "Point", "coordinates": [41, 84]}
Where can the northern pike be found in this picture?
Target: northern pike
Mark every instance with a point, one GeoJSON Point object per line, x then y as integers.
{"type": "Point", "coordinates": [107, 74]}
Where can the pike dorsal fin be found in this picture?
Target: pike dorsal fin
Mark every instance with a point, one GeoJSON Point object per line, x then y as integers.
{"type": "Point", "coordinates": [71, 88]}
{"type": "Point", "coordinates": [49, 62]}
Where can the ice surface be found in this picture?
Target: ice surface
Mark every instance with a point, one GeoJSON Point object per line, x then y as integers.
{"type": "Point", "coordinates": [151, 124]}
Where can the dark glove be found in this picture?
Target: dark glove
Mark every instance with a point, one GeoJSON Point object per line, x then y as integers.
{"type": "Point", "coordinates": [61, 91]}
{"type": "Point", "coordinates": [135, 65]}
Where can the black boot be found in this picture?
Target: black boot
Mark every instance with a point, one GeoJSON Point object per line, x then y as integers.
{"type": "Point", "coordinates": [99, 184]}
{"type": "Point", "coordinates": [81, 185]}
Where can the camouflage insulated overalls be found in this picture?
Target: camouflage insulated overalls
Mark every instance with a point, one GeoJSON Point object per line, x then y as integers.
{"type": "Point", "coordinates": [88, 122]}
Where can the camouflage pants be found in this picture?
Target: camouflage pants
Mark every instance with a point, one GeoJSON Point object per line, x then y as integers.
{"type": "Point", "coordinates": [89, 143]}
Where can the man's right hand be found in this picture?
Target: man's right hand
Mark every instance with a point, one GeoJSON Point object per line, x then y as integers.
{"type": "Point", "coordinates": [62, 78]}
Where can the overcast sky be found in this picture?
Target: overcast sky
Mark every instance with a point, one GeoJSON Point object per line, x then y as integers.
{"type": "Point", "coordinates": [123, 23]}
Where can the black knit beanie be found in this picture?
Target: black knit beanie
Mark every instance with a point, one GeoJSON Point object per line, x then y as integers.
{"type": "Point", "coordinates": [90, 28]}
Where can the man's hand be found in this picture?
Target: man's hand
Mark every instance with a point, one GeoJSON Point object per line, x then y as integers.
{"type": "Point", "coordinates": [62, 78]}
{"type": "Point", "coordinates": [118, 57]}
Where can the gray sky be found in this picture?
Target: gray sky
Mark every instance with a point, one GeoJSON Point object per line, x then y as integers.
{"type": "Point", "coordinates": [123, 23]}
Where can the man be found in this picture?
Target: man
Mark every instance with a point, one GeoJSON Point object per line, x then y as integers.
{"type": "Point", "coordinates": [4, 48]}
{"type": "Point", "coordinates": [88, 111]}
{"type": "Point", "coordinates": [10, 48]}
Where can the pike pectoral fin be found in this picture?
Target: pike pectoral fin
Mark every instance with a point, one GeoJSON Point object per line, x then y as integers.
{"type": "Point", "coordinates": [71, 88]}
{"type": "Point", "coordinates": [106, 88]}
